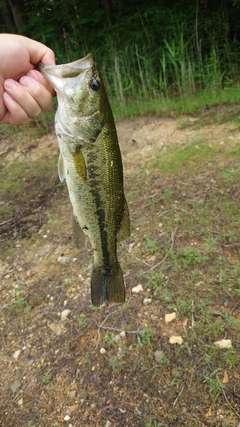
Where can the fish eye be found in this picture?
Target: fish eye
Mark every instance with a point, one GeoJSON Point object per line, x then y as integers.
{"type": "Point", "coordinates": [95, 85]}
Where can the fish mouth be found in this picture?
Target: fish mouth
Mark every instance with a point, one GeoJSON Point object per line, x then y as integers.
{"type": "Point", "coordinates": [70, 70]}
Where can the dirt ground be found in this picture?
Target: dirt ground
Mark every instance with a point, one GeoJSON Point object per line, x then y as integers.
{"type": "Point", "coordinates": [66, 363]}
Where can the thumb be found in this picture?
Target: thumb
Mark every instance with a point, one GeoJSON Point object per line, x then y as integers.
{"type": "Point", "coordinates": [48, 58]}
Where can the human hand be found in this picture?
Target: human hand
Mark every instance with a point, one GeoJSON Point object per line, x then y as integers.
{"type": "Point", "coordinates": [24, 91]}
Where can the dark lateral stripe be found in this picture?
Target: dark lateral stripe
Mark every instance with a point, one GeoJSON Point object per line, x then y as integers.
{"type": "Point", "coordinates": [100, 212]}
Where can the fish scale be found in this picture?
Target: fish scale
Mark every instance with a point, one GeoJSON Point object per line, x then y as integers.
{"type": "Point", "coordinates": [90, 161]}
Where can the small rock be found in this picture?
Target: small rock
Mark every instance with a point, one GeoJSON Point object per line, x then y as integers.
{"type": "Point", "coordinates": [131, 245]}
{"type": "Point", "coordinates": [56, 328]}
{"type": "Point", "coordinates": [102, 350]}
{"type": "Point", "coordinates": [108, 424]}
{"type": "Point", "coordinates": [67, 418]}
{"type": "Point", "coordinates": [147, 301]}
{"type": "Point", "coordinates": [63, 259]}
{"type": "Point", "coordinates": [16, 354]}
{"type": "Point", "coordinates": [175, 339]}
{"type": "Point", "coordinates": [122, 334]}
{"type": "Point", "coordinates": [72, 394]}
{"type": "Point", "coordinates": [158, 355]}
{"type": "Point", "coordinates": [15, 385]}
{"type": "Point", "coordinates": [137, 289]}
{"type": "Point", "coordinates": [65, 314]}
{"type": "Point", "coordinates": [117, 338]}
{"type": "Point", "coordinates": [20, 402]}
{"type": "Point", "coordinates": [170, 316]}
{"type": "Point", "coordinates": [225, 378]}
{"type": "Point", "coordinates": [223, 344]}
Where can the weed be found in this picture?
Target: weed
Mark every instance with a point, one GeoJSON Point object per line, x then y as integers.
{"type": "Point", "coordinates": [230, 176]}
{"type": "Point", "coordinates": [115, 363]}
{"type": "Point", "coordinates": [93, 308]}
{"type": "Point", "coordinates": [150, 245]}
{"type": "Point", "coordinates": [46, 378]}
{"type": "Point", "coordinates": [110, 339]}
{"type": "Point", "coordinates": [84, 360]}
{"type": "Point", "coordinates": [184, 308]}
{"type": "Point", "coordinates": [153, 423]}
{"type": "Point", "coordinates": [155, 281]}
{"type": "Point", "coordinates": [83, 394]}
{"type": "Point", "coordinates": [192, 256]}
{"type": "Point", "coordinates": [215, 386]}
{"type": "Point", "coordinates": [82, 321]}
{"type": "Point", "coordinates": [145, 337]}
{"type": "Point", "coordinates": [210, 354]}
{"type": "Point", "coordinates": [210, 243]}
{"type": "Point", "coordinates": [230, 358]}
{"type": "Point", "coordinates": [215, 329]}
{"type": "Point", "coordinates": [21, 303]}
{"type": "Point", "coordinates": [167, 195]}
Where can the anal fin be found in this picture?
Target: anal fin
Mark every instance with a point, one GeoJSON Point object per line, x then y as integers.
{"type": "Point", "coordinates": [124, 230]}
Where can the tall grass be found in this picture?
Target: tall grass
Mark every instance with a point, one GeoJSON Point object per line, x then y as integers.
{"type": "Point", "coordinates": [155, 57]}
{"type": "Point", "coordinates": [135, 76]}
{"type": "Point", "coordinates": [149, 77]}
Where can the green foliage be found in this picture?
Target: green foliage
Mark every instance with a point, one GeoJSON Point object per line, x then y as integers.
{"type": "Point", "coordinates": [149, 52]}
{"type": "Point", "coordinates": [191, 256]}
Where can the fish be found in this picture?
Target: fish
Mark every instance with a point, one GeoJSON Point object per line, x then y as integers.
{"type": "Point", "coordinates": [90, 162]}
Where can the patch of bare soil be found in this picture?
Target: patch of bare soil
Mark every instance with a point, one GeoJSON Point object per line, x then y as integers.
{"type": "Point", "coordinates": [65, 363]}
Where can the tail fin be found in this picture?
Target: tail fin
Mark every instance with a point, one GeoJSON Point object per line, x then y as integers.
{"type": "Point", "coordinates": [107, 285]}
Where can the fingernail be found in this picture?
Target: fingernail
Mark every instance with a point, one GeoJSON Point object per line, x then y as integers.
{"type": "Point", "coordinates": [7, 96]}
{"type": "Point", "coordinates": [10, 84]}
{"type": "Point", "coordinates": [25, 81]}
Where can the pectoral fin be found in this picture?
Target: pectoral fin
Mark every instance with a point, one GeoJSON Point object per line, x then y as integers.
{"type": "Point", "coordinates": [124, 230]}
{"type": "Point", "coordinates": [79, 237]}
{"type": "Point", "coordinates": [80, 165]}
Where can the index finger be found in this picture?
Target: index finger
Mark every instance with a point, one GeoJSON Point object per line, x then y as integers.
{"type": "Point", "coordinates": [37, 75]}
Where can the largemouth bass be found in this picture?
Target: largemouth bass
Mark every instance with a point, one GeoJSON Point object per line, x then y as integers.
{"type": "Point", "coordinates": [90, 161]}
